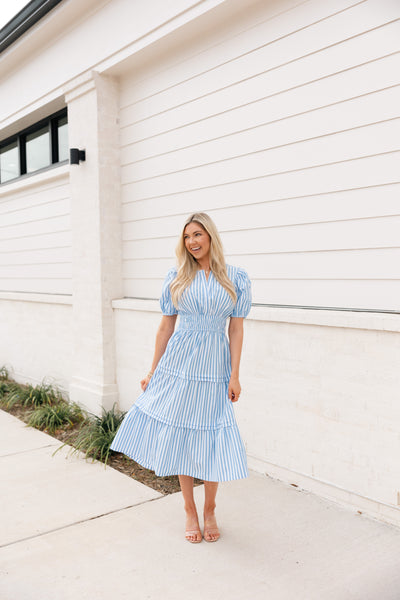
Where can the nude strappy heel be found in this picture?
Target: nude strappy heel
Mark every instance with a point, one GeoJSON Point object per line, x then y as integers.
{"type": "Point", "coordinates": [210, 530]}
{"type": "Point", "coordinates": [193, 532]}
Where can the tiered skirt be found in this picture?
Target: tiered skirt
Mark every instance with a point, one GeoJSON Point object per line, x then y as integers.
{"type": "Point", "coordinates": [184, 423]}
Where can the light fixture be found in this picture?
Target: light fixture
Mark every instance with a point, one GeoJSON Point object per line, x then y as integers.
{"type": "Point", "coordinates": [76, 155]}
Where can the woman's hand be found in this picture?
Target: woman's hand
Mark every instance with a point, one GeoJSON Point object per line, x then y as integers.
{"type": "Point", "coordinates": [234, 389]}
{"type": "Point", "coordinates": [145, 382]}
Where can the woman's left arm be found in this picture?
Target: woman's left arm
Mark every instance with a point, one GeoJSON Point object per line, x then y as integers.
{"type": "Point", "coordinates": [235, 334]}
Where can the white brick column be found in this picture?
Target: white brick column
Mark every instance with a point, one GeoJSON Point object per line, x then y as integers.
{"type": "Point", "coordinates": [96, 238]}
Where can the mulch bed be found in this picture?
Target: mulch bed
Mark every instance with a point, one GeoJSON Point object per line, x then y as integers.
{"type": "Point", "coordinates": [116, 460]}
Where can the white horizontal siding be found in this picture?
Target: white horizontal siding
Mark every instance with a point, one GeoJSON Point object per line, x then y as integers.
{"type": "Point", "coordinates": [353, 264]}
{"type": "Point", "coordinates": [377, 138]}
{"type": "Point", "coordinates": [274, 212]}
{"type": "Point", "coordinates": [360, 111]}
{"type": "Point", "coordinates": [381, 231]}
{"type": "Point", "coordinates": [285, 128]}
{"type": "Point", "coordinates": [338, 179]}
{"type": "Point", "coordinates": [35, 239]}
{"type": "Point", "coordinates": [361, 52]}
{"type": "Point", "coordinates": [306, 30]}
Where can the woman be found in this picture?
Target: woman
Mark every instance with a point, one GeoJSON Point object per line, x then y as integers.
{"type": "Point", "coordinates": [183, 423]}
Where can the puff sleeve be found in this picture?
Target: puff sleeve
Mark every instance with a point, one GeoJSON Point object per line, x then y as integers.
{"type": "Point", "coordinates": [243, 292]}
{"type": "Point", "coordinates": [166, 304]}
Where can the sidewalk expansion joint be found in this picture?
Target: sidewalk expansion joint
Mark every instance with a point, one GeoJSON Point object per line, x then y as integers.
{"type": "Point", "coordinates": [27, 450]}
{"type": "Point", "coordinates": [44, 533]}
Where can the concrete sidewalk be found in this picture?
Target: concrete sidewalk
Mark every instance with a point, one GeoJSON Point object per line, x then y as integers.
{"type": "Point", "coordinates": [72, 530]}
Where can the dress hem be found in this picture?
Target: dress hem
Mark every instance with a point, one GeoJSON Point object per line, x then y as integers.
{"type": "Point", "coordinates": [230, 461]}
{"type": "Point", "coordinates": [196, 475]}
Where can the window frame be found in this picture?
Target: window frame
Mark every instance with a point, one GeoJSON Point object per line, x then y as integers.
{"type": "Point", "coordinates": [51, 122]}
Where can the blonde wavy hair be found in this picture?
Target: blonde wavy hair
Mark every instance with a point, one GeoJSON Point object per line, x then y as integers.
{"type": "Point", "coordinates": [188, 265]}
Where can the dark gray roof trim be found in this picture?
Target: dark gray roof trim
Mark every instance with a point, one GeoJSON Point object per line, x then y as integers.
{"type": "Point", "coordinates": [24, 20]}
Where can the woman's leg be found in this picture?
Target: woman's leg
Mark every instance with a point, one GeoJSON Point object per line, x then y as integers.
{"type": "Point", "coordinates": [211, 532]}
{"type": "Point", "coordinates": [192, 520]}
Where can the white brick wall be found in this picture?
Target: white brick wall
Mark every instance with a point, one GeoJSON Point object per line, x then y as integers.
{"type": "Point", "coordinates": [36, 339]}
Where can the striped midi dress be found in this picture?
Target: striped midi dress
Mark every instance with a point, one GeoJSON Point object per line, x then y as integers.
{"type": "Point", "coordinates": [184, 422]}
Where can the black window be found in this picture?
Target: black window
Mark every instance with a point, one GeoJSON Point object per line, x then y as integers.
{"type": "Point", "coordinates": [35, 148]}
{"type": "Point", "coordinates": [9, 161]}
{"type": "Point", "coordinates": [38, 149]}
{"type": "Point", "coordinates": [62, 141]}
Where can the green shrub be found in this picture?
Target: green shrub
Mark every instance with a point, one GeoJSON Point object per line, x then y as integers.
{"type": "Point", "coordinates": [51, 418]}
{"type": "Point", "coordinates": [39, 395]}
{"type": "Point", "coordinates": [4, 390]}
{"type": "Point", "coordinates": [13, 395]}
{"type": "Point", "coordinates": [97, 434]}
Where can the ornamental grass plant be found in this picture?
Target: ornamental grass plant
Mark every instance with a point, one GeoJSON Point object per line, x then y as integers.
{"type": "Point", "coordinates": [4, 390]}
{"type": "Point", "coordinates": [29, 395]}
{"type": "Point", "coordinates": [52, 417]}
{"type": "Point", "coordinates": [10, 394]}
{"type": "Point", "coordinates": [97, 433]}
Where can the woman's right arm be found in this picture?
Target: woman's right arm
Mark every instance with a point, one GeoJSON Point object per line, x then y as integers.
{"type": "Point", "coordinates": [164, 332]}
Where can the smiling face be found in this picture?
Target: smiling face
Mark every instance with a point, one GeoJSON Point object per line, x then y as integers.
{"type": "Point", "coordinates": [197, 243]}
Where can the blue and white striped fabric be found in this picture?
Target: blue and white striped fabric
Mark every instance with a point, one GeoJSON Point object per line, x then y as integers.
{"type": "Point", "coordinates": [184, 422]}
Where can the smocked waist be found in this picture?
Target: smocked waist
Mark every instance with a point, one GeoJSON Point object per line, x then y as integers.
{"type": "Point", "coordinates": [201, 323]}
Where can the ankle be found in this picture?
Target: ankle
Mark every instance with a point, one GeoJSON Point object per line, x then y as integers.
{"type": "Point", "coordinates": [190, 509]}
{"type": "Point", "coordinates": [209, 509]}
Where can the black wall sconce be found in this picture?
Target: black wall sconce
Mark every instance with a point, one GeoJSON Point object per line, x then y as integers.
{"type": "Point", "coordinates": [75, 156]}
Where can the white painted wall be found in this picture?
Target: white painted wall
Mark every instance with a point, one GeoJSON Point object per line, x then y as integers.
{"type": "Point", "coordinates": [36, 278]}
{"type": "Point", "coordinates": [35, 338]}
{"type": "Point", "coordinates": [306, 406]}
{"type": "Point", "coordinates": [35, 234]}
{"type": "Point", "coordinates": [283, 123]}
